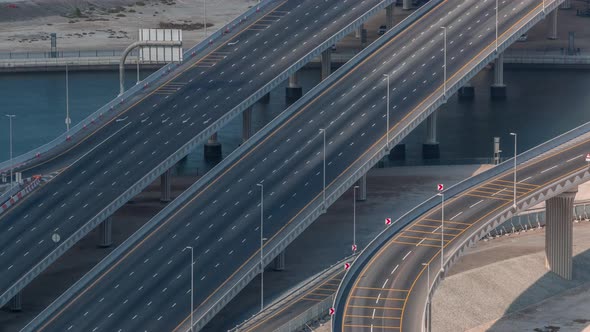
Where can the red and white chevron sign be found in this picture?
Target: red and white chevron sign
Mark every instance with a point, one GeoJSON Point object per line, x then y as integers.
{"type": "Point", "coordinates": [354, 248]}
{"type": "Point", "coordinates": [387, 221]}
{"type": "Point", "coordinates": [441, 187]}
{"type": "Point", "coordinates": [332, 311]}
{"type": "Point", "coordinates": [346, 266]}
{"type": "Point", "coordinates": [588, 157]}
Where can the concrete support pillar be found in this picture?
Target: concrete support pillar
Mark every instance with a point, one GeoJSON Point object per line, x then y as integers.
{"type": "Point", "coordinates": [552, 25]}
{"type": "Point", "coordinates": [105, 230]}
{"type": "Point", "coordinates": [246, 124]}
{"type": "Point", "coordinates": [407, 5]}
{"type": "Point", "coordinates": [363, 36]}
{"type": "Point", "coordinates": [362, 193]}
{"type": "Point", "coordinates": [326, 63]}
{"type": "Point", "coordinates": [165, 186]}
{"type": "Point", "coordinates": [294, 90]}
{"type": "Point", "coordinates": [278, 263]}
{"type": "Point", "coordinates": [430, 149]}
{"type": "Point", "coordinates": [212, 149]}
{"type": "Point", "coordinates": [498, 89]}
{"type": "Point", "coordinates": [265, 99]}
{"type": "Point", "coordinates": [559, 233]}
{"type": "Point", "coordinates": [358, 32]}
{"type": "Point", "coordinates": [389, 22]}
{"type": "Point", "coordinates": [16, 303]}
{"type": "Point", "coordinates": [398, 152]}
{"type": "Point", "coordinates": [467, 92]}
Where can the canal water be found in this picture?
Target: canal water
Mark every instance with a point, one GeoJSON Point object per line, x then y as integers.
{"type": "Point", "coordinates": [540, 105]}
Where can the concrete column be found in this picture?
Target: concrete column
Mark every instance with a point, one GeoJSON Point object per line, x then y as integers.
{"type": "Point", "coordinates": [16, 303]}
{"type": "Point", "coordinates": [430, 149]}
{"type": "Point", "coordinates": [294, 90]}
{"type": "Point", "coordinates": [246, 124]}
{"type": "Point", "coordinates": [326, 63]}
{"type": "Point", "coordinates": [398, 152]}
{"type": "Point", "coordinates": [279, 262]}
{"type": "Point", "coordinates": [498, 89]}
{"type": "Point", "coordinates": [357, 32]}
{"type": "Point", "coordinates": [552, 25]}
{"type": "Point", "coordinates": [265, 99]}
{"type": "Point", "coordinates": [362, 193]}
{"type": "Point", "coordinates": [363, 36]}
{"type": "Point", "coordinates": [165, 186]}
{"type": "Point", "coordinates": [105, 230]}
{"type": "Point", "coordinates": [407, 5]}
{"type": "Point", "coordinates": [559, 233]}
{"type": "Point", "coordinates": [467, 92]}
{"type": "Point", "coordinates": [212, 149]}
{"type": "Point", "coordinates": [389, 22]}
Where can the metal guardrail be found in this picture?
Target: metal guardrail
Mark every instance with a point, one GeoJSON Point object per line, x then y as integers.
{"type": "Point", "coordinates": [172, 160]}
{"type": "Point", "coordinates": [299, 290]}
{"type": "Point", "coordinates": [485, 57]}
{"type": "Point", "coordinates": [317, 311]}
{"type": "Point", "coordinates": [61, 54]}
{"type": "Point", "coordinates": [121, 103]}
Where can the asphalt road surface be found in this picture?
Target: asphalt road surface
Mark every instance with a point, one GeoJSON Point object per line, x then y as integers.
{"type": "Point", "coordinates": [108, 162]}
{"type": "Point", "coordinates": [149, 287]}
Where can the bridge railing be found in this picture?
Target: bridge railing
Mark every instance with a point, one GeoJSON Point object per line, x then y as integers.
{"type": "Point", "coordinates": [121, 103]}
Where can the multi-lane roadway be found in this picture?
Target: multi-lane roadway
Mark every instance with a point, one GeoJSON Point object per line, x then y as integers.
{"type": "Point", "coordinates": [148, 288]}
{"type": "Point", "coordinates": [101, 167]}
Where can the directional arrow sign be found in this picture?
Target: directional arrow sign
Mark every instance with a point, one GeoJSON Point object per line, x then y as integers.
{"type": "Point", "coordinates": [346, 266]}
{"type": "Point", "coordinates": [588, 157]}
{"type": "Point", "coordinates": [440, 187]}
{"type": "Point", "coordinates": [354, 248]}
{"type": "Point", "coordinates": [387, 221]}
{"type": "Point", "coordinates": [332, 311]}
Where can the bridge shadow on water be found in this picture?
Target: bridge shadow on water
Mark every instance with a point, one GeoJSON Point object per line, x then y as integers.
{"type": "Point", "coordinates": [535, 310]}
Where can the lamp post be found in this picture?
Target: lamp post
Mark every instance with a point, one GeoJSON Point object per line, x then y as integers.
{"type": "Point", "coordinates": [323, 131]}
{"type": "Point", "coordinates": [68, 120]}
{"type": "Point", "coordinates": [515, 140]}
{"type": "Point", "coordinates": [354, 218]}
{"type": "Point", "coordinates": [442, 232]}
{"type": "Point", "coordinates": [261, 245]}
{"type": "Point", "coordinates": [387, 136]}
{"type": "Point", "coordinates": [497, 13]}
{"type": "Point", "coordinates": [427, 296]}
{"type": "Point", "coordinates": [192, 282]}
{"type": "Point", "coordinates": [10, 116]}
{"type": "Point", "coordinates": [205, 17]}
{"type": "Point", "coordinates": [445, 62]}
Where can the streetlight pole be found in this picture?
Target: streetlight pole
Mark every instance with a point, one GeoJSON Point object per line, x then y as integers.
{"type": "Point", "coordinates": [497, 13]}
{"type": "Point", "coordinates": [427, 296]}
{"type": "Point", "coordinates": [354, 218]}
{"type": "Point", "coordinates": [445, 62]}
{"type": "Point", "coordinates": [10, 116]}
{"type": "Point", "coordinates": [442, 232]}
{"type": "Point", "coordinates": [192, 283]}
{"type": "Point", "coordinates": [261, 245]}
{"type": "Point", "coordinates": [205, 17]}
{"type": "Point", "coordinates": [68, 120]}
{"type": "Point", "coordinates": [323, 131]}
{"type": "Point", "coordinates": [515, 140]}
{"type": "Point", "coordinates": [387, 143]}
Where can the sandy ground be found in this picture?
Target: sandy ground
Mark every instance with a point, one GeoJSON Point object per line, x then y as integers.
{"type": "Point", "coordinates": [104, 24]}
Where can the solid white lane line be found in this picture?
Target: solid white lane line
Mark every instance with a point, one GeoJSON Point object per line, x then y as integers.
{"type": "Point", "coordinates": [574, 158]}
